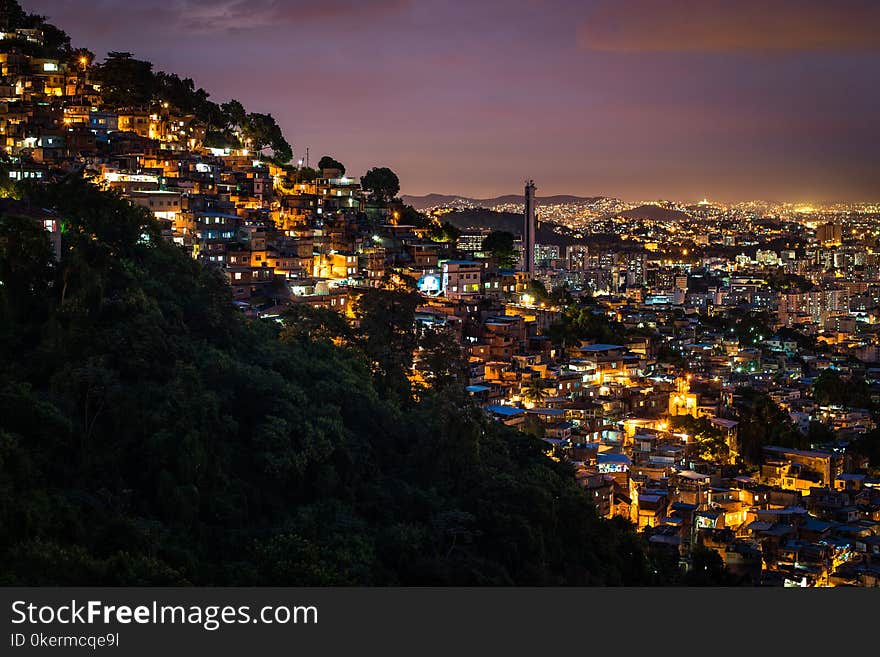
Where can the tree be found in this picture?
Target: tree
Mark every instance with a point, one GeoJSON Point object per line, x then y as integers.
{"type": "Point", "coordinates": [9, 188]}
{"type": "Point", "coordinates": [444, 232]}
{"type": "Point", "coordinates": [306, 174]}
{"type": "Point", "coordinates": [711, 443]}
{"type": "Point", "coordinates": [868, 445]}
{"type": "Point", "coordinates": [500, 244]}
{"type": "Point", "coordinates": [409, 216]}
{"type": "Point", "coordinates": [561, 296]}
{"type": "Point", "coordinates": [81, 58]}
{"type": "Point", "coordinates": [708, 569]}
{"type": "Point", "coordinates": [305, 323]}
{"type": "Point", "coordinates": [125, 81]}
{"type": "Point", "coordinates": [535, 390]}
{"type": "Point", "coordinates": [819, 433]}
{"type": "Point", "coordinates": [55, 40]}
{"type": "Point", "coordinates": [442, 361]}
{"type": "Point", "coordinates": [831, 388]}
{"type": "Point", "coordinates": [785, 282]}
{"type": "Point", "coordinates": [26, 268]}
{"type": "Point", "coordinates": [382, 184]}
{"type": "Point", "coordinates": [182, 94]}
{"type": "Point", "coordinates": [263, 132]}
{"type": "Point", "coordinates": [235, 114]}
{"type": "Point", "coordinates": [533, 426]}
{"type": "Point", "coordinates": [583, 321]}
{"type": "Point", "coordinates": [538, 291]}
{"type": "Point", "coordinates": [12, 16]}
{"type": "Point", "coordinates": [386, 333]}
{"type": "Point", "coordinates": [328, 162]}
{"type": "Point", "coordinates": [762, 422]}
{"type": "Point", "coordinates": [222, 121]}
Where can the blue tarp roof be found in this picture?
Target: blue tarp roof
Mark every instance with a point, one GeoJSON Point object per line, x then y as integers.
{"type": "Point", "coordinates": [505, 410]}
{"type": "Point", "coordinates": [609, 457]}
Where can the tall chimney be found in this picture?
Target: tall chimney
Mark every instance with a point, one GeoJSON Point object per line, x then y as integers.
{"type": "Point", "coordinates": [529, 228]}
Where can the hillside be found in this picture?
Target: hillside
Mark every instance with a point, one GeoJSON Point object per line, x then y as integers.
{"type": "Point", "coordinates": [149, 434]}
{"type": "Point", "coordinates": [654, 213]}
{"type": "Point", "coordinates": [442, 200]}
{"type": "Point", "coordinates": [122, 81]}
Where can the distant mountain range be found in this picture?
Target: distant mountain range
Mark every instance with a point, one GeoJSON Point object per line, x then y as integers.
{"type": "Point", "coordinates": [481, 218]}
{"type": "Point", "coordinates": [647, 211]}
{"type": "Point", "coordinates": [654, 213]}
{"type": "Point", "coordinates": [439, 200]}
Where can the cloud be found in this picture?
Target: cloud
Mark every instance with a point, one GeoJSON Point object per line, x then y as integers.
{"type": "Point", "coordinates": [239, 15]}
{"type": "Point", "coordinates": [637, 26]}
{"type": "Point", "coordinates": [201, 17]}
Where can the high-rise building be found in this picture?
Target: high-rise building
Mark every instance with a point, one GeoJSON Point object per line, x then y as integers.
{"type": "Point", "coordinates": [829, 234]}
{"type": "Point", "coordinates": [529, 228]}
{"type": "Point", "coordinates": [578, 256]}
{"type": "Point", "coordinates": [545, 254]}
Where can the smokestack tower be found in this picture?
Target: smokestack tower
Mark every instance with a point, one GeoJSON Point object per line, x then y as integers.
{"type": "Point", "coordinates": [529, 228]}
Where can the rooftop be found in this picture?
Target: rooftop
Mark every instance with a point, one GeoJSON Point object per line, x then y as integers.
{"type": "Point", "coordinates": [601, 347]}
{"type": "Point", "coordinates": [509, 411]}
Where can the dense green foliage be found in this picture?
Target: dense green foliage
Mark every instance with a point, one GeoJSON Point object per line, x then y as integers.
{"type": "Point", "coordinates": [832, 389]}
{"type": "Point", "coordinates": [149, 434]}
{"type": "Point", "coordinates": [130, 82]}
{"type": "Point", "coordinates": [262, 131]}
{"type": "Point", "coordinates": [791, 283]}
{"type": "Point", "coordinates": [444, 232]}
{"type": "Point", "coordinates": [126, 81]}
{"type": "Point", "coordinates": [12, 16]}
{"type": "Point", "coordinates": [305, 174]}
{"type": "Point", "coordinates": [409, 216]}
{"type": "Point", "coordinates": [868, 445]}
{"type": "Point", "coordinates": [710, 441]}
{"type": "Point", "coordinates": [762, 422]}
{"type": "Point", "coordinates": [56, 42]}
{"type": "Point", "coordinates": [328, 162]}
{"type": "Point", "coordinates": [500, 244]}
{"type": "Point", "coordinates": [707, 569]}
{"type": "Point", "coordinates": [583, 321]}
{"type": "Point", "coordinates": [381, 183]}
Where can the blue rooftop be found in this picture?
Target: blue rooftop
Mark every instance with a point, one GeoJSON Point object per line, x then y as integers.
{"type": "Point", "coordinates": [509, 411]}
{"type": "Point", "coordinates": [609, 457]}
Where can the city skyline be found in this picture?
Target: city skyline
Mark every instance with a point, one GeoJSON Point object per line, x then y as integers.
{"type": "Point", "coordinates": [616, 99]}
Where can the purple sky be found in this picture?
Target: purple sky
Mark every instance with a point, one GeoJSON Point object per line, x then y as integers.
{"type": "Point", "coordinates": [725, 99]}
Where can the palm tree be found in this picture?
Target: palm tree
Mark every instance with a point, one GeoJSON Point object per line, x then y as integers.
{"type": "Point", "coordinates": [535, 390]}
